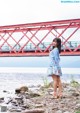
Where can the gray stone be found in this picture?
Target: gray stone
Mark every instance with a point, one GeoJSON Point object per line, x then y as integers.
{"type": "Point", "coordinates": [3, 108]}
{"type": "Point", "coordinates": [34, 111]}
{"type": "Point", "coordinates": [67, 112]}
{"type": "Point", "coordinates": [59, 111]}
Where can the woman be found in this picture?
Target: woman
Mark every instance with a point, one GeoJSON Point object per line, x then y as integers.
{"type": "Point", "coordinates": [55, 69]}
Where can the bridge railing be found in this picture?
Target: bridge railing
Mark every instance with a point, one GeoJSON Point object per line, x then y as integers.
{"type": "Point", "coordinates": [71, 44]}
{"type": "Point", "coordinates": [30, 47]}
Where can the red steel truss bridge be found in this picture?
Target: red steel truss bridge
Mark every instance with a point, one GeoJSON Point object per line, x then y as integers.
{"type": "Point", "coordinates": [35, 39]}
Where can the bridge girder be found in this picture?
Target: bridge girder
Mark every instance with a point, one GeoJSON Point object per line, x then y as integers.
{"type": "Point", "coordinates": [36, 33]}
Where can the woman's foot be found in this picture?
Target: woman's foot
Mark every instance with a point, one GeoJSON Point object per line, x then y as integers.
{"type": "Point", "coordinates": [55, 95]}
{"type": "Point", "coordinates": [60, 95]}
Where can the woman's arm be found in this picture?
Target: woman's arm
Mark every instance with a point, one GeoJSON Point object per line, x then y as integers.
{"type": "Point", "coordinates": [55, 57]}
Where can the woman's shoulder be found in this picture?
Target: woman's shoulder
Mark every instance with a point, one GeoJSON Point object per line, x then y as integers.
{"type": "Point", "coordinates": [55, 49]}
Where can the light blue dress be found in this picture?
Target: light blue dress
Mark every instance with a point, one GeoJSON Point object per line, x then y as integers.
{"type": "Point", "coordinates": [54, 67]}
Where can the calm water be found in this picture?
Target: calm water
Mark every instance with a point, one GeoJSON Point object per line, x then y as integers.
{"type": "Point", "coordinates": [66, 61]}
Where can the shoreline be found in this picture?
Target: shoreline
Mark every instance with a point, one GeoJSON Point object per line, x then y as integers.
{"type": "Point", "coordinates": [13, 80]}
{"type": "Point", "coordinates": [42, 70]}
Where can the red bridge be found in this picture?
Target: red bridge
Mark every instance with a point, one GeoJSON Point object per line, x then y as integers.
{"type": "Point", "coordinates": [35, 39]}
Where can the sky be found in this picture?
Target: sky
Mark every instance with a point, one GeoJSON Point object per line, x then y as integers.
{"type": "Point", "coordinates": [30, 11]}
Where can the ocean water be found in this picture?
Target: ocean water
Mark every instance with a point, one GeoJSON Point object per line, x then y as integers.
{"type": "Point", "coordinates": [19, 71]}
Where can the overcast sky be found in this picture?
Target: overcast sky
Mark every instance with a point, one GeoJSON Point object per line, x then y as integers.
{"type": "Point", "coordinates": [29, 11]}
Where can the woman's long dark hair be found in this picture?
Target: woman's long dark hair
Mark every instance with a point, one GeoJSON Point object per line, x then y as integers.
{"type": "Point", "coordinates": [58, 40]}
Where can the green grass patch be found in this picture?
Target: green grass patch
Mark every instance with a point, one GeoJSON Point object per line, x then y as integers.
{"type": "Point", "coordinates": [77, 111]}
{"type": "Point", "coordinates": [73, 82]}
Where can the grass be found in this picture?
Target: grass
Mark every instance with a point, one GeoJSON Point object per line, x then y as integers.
{"type": "Point", "coordinates": [77, 111]}
{"type": "Point", "coordinates": [45, 82]}
{"type": "Point", "coordinates": [73, 82]}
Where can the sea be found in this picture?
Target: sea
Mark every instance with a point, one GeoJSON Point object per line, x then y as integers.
{"type": "Point", "coordinates": [31, 71]}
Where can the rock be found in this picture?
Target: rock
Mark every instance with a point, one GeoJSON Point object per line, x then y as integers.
{"type": "Point", "coordinates": [5, 91]}
{"type": "Point", "coordinates": [34, 111]}
{"type": "Point", "coordinates": [70, 89]}
{"type": "Point", "coordinates": [35, 94]}
{"type": "Point", "coordinates": [3, 108]}
{"type": "Point", "coordinates": [75, 94]}
{"type": "Point", "coordinates": [18, 98]}
{"type": "Point", "coordinates": [17, 91]}
{"type": "Point", "coordinates": [78, 107]}
{"type": "Point", "coordinates": [65, 85]}
{"type": "Point", "coordinates": [39, 105]}
{"type": "Point", "coordinates": [28, 103]}
{"type": "Point", "coordinates": [15, 110]}
{"type": "Point", "coordinates": [22, 89]}
{"type": "Point", "coordinates": [59, 111]}
{"type": "Point", "coordinates": [1, 99]}
{"type": "Point", "coordinates": [7, 100]}
{"type": "Point", "coordinates": [67, 112]}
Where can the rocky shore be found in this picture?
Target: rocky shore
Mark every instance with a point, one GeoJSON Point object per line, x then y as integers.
{"type": "Point", "coordinates": [39, 99]}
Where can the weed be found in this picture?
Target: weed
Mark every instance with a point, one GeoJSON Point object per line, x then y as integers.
{"type": "Point", "coordinates": [45, 82]}
{"type": "Point", "coordinates": [73, 82]}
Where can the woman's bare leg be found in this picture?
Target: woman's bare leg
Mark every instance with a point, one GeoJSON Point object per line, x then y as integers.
{"type": "Point", "coordinates": [55, 85]}
{"type": "Point", "coordinates": [59, 86]}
